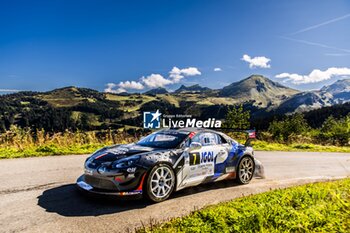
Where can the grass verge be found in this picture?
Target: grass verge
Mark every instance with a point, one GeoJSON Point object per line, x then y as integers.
{"type": "Point", "coordinates": [56, 149]}
{"type": "Point", "coordinates": [49, 149]}
{"type": "Point", "coordinates": [319, 207]}
{"type": "Point", "coordinates": [273, 146]}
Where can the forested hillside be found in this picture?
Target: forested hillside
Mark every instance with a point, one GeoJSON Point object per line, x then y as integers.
{"type": "Point", "coordinates": [85, 109]}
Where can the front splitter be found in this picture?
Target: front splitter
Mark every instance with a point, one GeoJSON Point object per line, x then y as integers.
{"type": "Point", "coordinates": [87, 189]}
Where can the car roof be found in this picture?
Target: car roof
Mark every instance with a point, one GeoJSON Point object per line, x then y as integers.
{"type": "Point", "coordinates": [189, 130]}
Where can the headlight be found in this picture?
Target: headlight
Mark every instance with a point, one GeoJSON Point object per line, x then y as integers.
{"type": "Point", "coordinates": [102, 169]}
{"type": "Point", "coordinates": [91, 157]}
{"type": "Point", "coordinates": [126, 162]}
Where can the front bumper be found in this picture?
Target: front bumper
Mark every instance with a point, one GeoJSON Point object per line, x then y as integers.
{"type": "Point", "coordinates": [86, 188]}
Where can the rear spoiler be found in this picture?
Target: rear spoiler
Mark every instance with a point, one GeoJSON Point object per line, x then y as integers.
{"type": "Point", "coordinates": [250, 132]}
{"type": "Point", "coordinates": [251, 136]}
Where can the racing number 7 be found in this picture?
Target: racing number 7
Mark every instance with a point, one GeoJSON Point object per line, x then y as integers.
{"type": "Point", "coordinates": [194, 158]}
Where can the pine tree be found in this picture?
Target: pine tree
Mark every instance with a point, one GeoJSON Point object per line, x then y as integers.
{"type": "Point", "coordinates": [237, 118]}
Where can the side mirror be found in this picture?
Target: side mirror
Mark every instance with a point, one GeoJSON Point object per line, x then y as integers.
{"type": "Point", "coordinates": [195, 145]}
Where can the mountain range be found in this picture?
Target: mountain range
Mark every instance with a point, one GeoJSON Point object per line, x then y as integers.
{"type": "Point", "coordinates": [265, 93]}
{"type": "Point", "coordinates": [192, 89]}
{"type": "Point", "coordinates": [262, 96]}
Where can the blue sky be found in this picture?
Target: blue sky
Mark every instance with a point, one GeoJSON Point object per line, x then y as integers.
{"type": "Point", "coordinates": [51, 44]}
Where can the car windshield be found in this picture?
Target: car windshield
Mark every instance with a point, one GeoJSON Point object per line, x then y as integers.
{"type": "Point", "coordinates": [165, 140]}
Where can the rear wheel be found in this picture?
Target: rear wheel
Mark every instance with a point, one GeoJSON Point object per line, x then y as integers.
{"type": "Point", "coordinates": [245, 170]}
{"type": "Point", "coordinates": [160, 183]}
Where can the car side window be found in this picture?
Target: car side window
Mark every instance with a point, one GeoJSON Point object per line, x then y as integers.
{"type": "Point", "coordinates": [206, 139]}
{"type": "Point", "coordinates": [221, 139]}
{"type": "Point", "coordinates": [218, 139]}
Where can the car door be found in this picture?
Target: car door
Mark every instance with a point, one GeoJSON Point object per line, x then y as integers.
{"type": "Point", "coordinates": [201, 160]}
{"type": "Point", "coordinates": [224, 159]}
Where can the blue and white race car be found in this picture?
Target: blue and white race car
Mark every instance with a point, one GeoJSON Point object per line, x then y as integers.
{"type": "Point", "coordinates": [167, 161]}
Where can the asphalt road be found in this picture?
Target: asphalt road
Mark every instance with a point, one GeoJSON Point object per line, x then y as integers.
{"type": "Point", "coordinates": [39, 195]}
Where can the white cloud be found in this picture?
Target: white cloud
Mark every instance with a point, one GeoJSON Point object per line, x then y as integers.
{"type": "Point", "coordinates": [315, 75]}
{"type": "Point", "coordinates": [131, 85]}
{"type": "Point", "coordinates": [110, 87]}
{"type": "Point", "coordinates": [123, 86]}
{"type": "Point", "coordinates": [190, 71]}
{"type": "Point", "coordinates": [9, 90]}
{"type": "Point", "coordinates": [261, 62]}
{"type": "Point", "coordinates": [177, 74]}
{"type": "Point", "coordinates": [155, 80]}
{"type": "Point", "coordinates": [217, 69]}
{"type": "Point", "coordinates": [120, 90]}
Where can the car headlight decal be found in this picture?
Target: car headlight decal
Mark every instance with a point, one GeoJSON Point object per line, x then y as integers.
{"type": "Point", "coordinates": [102, 169]}
{"type": "Point", "coordinates": [126, 162]}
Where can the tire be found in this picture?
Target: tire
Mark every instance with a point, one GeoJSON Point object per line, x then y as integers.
{"type": "Point", "coordinates": [245, 170]}
{"type": "Point", "coordinates": [160, 183]}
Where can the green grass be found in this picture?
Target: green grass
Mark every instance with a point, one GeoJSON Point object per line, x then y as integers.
{"type": "Point", "coordinates": [123, 99]}
{"type": "Point", "coordinates": [55, 149]}
{"type": "Point", "coordinates": [320, 207]}
{"type": "Point", "coordinates": [50, 149]}
{"type": "Point", "coordinates": [273, 146]}
{"type": "Point", "coordinates": [19, 143]}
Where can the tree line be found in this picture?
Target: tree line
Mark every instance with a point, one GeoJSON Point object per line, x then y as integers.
{"type": "Point", "coordinates": [24, 111]}
{"type": "Point", "coordinates": [27, 110]}
{"type": "Point", "coordinates": [334, 130]}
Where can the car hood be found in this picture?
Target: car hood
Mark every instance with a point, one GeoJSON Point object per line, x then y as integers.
{"type": "Point", "coordinates": [116, 152]}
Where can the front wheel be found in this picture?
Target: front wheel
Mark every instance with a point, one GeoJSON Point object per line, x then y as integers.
{"type": "Point", "coordinates": [160, 183]}
{"type": "Point", "coordinates": [245, 170]}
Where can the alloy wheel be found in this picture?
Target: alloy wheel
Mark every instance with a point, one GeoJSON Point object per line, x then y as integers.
{"type": "Point", "coordinates": [246, 170]}
{"type": "Point", "coordinates": [162, 182]}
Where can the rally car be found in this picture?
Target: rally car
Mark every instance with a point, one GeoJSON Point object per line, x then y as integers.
{"type": "Point", "coordinates": [166, 161]}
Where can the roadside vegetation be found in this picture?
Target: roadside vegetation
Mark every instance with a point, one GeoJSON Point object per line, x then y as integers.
{"type": "Point", "coordinates": [308, 147]}
{"type": "Point", "coordinates": [290, 133]}
{"type": "Point", "coordinates": [319, 207]}
{"type": "Point", "coordinates": [293, 133]}
{"type": "Point", "coordinates": [18, 142]}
